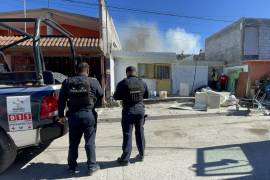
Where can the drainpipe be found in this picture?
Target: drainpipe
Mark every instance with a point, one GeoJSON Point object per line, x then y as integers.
{"type": "Point", "coordinates": [242, 29]}
{"type": "Point", "coordinates": [24, 12]}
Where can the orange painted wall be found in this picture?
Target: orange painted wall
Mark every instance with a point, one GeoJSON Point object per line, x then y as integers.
{"type": "Point", "coordinates": [20, 63]}
{"type": "Point", "coordinates": [3, 33]}
{"type": "Point", "coordinates": [258, 69]}
{"type": "Point", "coordinates": [43, 31]}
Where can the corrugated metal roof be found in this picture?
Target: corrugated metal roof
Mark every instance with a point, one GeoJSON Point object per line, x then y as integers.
{"type": "Point", "coordinates": [53, 42]}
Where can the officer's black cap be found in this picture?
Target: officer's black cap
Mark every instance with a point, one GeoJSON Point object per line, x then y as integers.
{"type": "Point", "coordinates": [131, 69]}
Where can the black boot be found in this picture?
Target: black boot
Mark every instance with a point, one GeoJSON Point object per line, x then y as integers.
{"type": "Point", "coordinates": [92, 170]}
{"type": "Point", "coordinates": [139, 158]}
{"type": "Point", "coordinates": [122, 162]}
{"type": "Point", "coordinates": [73, 171]}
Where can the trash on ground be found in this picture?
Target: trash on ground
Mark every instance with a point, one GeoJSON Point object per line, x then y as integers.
{"type": "Point", "coordinates": [188, 106]}
{"type": "Point", "coordinates": [214, 100]}
{"type": "Point", "coordinates": [266, 113]}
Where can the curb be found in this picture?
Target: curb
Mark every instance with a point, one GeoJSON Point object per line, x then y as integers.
{"type": "Point", "coordinates": [170, 117]}
{"type": "Point", "coordinates": [169, 99]}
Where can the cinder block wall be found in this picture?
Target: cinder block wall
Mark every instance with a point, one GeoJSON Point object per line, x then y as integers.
{"type": "Point", "coordinates": [225, 45]}
{"type": "Point", "coordinates": [264, 42]}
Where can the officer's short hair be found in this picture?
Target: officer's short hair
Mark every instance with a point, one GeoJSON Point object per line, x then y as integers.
{"type": "Point", "coordinates": [82, 67]}
{"type": "Point", "coordinates": [131, 69]}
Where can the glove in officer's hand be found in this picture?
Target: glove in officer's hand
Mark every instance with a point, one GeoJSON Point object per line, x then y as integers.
{"type": "Point", "coordinates": [62, 120]}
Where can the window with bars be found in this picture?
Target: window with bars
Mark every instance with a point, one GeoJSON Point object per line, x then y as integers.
{"type": "Point", "coordinates": [154, 71]}
{"type": "Point", "coordinates": [162, 71]}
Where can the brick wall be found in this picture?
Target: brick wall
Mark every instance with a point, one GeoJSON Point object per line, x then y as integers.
{"type": "Point", "coordinates": [22, 63]}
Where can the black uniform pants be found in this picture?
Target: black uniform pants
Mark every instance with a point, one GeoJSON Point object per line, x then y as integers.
{"type": "Point", "coordinates": [130, 119]}
{"type": "Point", "coordinates": [82, 123]}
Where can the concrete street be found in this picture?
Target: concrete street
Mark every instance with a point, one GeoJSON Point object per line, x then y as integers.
{"type": "Point", "coordinates": [220, 147]}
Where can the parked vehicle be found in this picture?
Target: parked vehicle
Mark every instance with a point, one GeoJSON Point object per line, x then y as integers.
{"type": "Point", "coordinates": [28, 100]}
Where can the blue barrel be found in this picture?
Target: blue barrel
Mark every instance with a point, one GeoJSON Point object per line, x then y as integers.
{"type": "Point", "coordinates": [267, 89]}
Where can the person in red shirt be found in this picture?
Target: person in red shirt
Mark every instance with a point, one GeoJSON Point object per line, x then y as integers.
{"type": "Point", "coordinates": [223, 80]}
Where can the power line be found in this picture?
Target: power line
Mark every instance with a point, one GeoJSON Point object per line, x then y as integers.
{"type": "Point", "coordinates": [149, 11]}
{"type": "Point", "coordinates": [123, 26]}
{"type": "Point", "coordinates": [92, 5]}
{"type": "Point", "coordinates": [95, 4]}
{"type": "Point", "coordinates": [119, 26]}
{"type": "Point", "coordinates": [141, 11]}
{"type": "Point", "coordinates": [63, 6]}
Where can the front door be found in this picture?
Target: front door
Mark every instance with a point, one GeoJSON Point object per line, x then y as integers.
{"type": "Point", "coordinates": [163, 76]}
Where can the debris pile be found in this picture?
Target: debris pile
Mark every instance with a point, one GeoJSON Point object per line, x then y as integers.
{"type": "Point", "coordinates": [208, 98]}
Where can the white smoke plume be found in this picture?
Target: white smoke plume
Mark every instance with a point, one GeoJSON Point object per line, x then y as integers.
{"type": "Point", "coordinates": [140, 36]}
{"type": "Point", "coordinates": [180, 40]}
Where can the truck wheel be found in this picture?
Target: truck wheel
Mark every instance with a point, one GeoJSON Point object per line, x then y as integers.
{"type": "Point", "coordinates": [8, 151]}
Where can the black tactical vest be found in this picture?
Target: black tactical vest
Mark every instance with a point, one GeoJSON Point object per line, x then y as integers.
{"type": "Point", "coordinates": [79, 93]}
{"type": "Point", "coordinates": [136, 90]}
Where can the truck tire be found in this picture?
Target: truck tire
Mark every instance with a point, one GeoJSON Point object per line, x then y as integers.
{"type": "Point", "coordinates": [8, 151]}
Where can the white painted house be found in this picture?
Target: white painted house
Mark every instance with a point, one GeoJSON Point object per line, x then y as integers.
{"type": "Point", "coordinates": [161, 71]}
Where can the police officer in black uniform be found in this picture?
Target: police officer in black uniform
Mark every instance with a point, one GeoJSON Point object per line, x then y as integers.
{"type": "Point", "coordinates": [80, 93]}
{"type": "Point", "coordinates": [132, 91]}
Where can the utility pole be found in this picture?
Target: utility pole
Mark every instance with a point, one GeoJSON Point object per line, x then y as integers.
{"type": "Point", "coordinates": [105, 61]}
{"type": "Point", "coordinates": [24, 11]}
{"type": "Point", "coordinates": [48, 3]}
{"type": "Point", "coordinates": [104, 22]}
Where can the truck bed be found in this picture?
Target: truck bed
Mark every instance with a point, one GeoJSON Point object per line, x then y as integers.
{"type": "Point", "coordinates": [22, 135]}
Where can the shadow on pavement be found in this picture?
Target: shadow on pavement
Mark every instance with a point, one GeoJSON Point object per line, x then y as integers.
{"type": "Point", "coordinates": [249, 160]}
{"type": "Point", "coordinates": [50, 170]}
{"type": "Point", "coordinates": [114, 164]}
{"type": "Point", "coordinates": [46, 171]}
{"type": "Point", "coordinates": [24, 157]}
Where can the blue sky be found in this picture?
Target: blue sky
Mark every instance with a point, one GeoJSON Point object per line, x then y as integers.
{"type": "Point", "coordinates": [229, 10]}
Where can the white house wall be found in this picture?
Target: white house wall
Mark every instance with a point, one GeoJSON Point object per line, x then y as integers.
{"type": "Point", "coordinates": [121, 65]}
{"type": "Point", "coordinates": [180, 74]}
{"type": "Point", "coordinates": [151, 84]}
{"type": "Point", "coordinates": [120, 69]}
{"type": "Point", "coordinates": [120, 72]}
{"type": "Point", "coordinates": [112, 75]}
{"type": "Point", "coordinates": [185, 74]}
